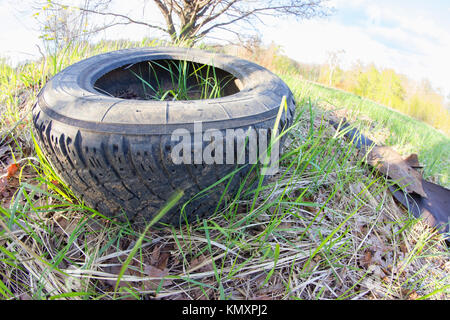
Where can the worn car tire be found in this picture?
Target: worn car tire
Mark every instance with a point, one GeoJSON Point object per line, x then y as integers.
{"type": "Point", "coordinates": [115, 153]}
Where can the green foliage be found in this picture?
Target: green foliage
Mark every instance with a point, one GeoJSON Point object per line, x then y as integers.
{"type": "Point", "coordinates": [387, 87]}
{"type": "Point", "coordinates": [384, 86]}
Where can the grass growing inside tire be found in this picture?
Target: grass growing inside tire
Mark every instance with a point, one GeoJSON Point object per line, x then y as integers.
{"type": "Point", "coordinates": [172, 80]}
{"type": "Point", "coordinates": [207, 84]}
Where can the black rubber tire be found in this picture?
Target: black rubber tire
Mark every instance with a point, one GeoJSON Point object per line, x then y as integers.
{"type": "Point", "coordinates": [114, 153]}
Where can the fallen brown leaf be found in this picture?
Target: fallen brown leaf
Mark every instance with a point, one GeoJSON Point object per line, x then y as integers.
{"type": "Point", "coordinates": [3, 184]}
{"type": "Point", "coordinates": [389, 162]}
{"type": "Point", "coordinates": [115, 270]}
{"type": "Point", "coordinates": [413, 296]}
{"type": "Point", "coordinates": [152, 271]}
{"type": "Point", "coordinates": [154, 258]}
{"type": "Point", "coordinates": [163, 259]}
{"type": "Point", "coordinates": [12, 170]}
{"type": "Point", "coordinates": [199, 261]}
{"type": "Point", "coordinates": [367, 259]}
{"type": "Point", "coordinates": [413, 161]}
{"type": "Point", "coordinates": [3, 151]}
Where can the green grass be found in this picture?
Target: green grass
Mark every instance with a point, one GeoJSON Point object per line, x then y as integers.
{"type": "Point", "coordinates": [188, 81]}
{"type": "Point", "coordinates": [325, 227]}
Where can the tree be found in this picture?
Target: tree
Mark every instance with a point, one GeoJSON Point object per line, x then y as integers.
{"type": "Point", "coordinates": [191, 20]}
{"type": "Point", "coordinates": [392, 92]}
{"type": "Point", "coordinates": [334, 59]}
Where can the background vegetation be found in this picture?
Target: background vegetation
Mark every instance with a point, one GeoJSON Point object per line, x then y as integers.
{"type": "Point", "coordinates": [417, 99]}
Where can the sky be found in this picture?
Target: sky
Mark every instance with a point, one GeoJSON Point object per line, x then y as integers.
{"type": "Point", "coordinates": [410, 36]}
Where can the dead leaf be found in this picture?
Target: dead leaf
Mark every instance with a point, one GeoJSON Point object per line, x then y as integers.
{"type": "Point", "coordinates": [163, 259]}
{"type": "Point", "coordinates": [12, 170]}
{"type": "Point", "coordinates": [201, 264]}
{"type": "Point", "coordinates": [413, 160]}
{"type": "Point", "coordinates": [115, 270]}
{"type": "Point", "coordinates": [65, 226]}
{"type": "Point", "coordinates": [367, 259]}
{"type": "Point", "coordinates": [25, 296]}
{"type": "Point", "coordinates": [160, 256]}
{"type": "Point", "coordinates": [3, 184]}
{"type": "Point", "coordinates": [152, 271]}
{"type": "Point", "coordinates": [3, 151]}
{"type": "Point", "coordinates": [310, 267]}
{"type": "Point", "coordinates": [376, 270]}
{"type": "Point", "coordinates": [154, 258]}
{"type": "Point", "coordinates": [413, 295]}
{"type": "Point", "coordinates": [389, 162]}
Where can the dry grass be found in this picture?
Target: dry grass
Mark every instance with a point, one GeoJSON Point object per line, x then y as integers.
{"type": "Point", "coordinates": [347, 242]}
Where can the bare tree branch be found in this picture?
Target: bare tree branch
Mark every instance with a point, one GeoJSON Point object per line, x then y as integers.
{"type": "Point", "coordinates": [168, 17]}
{"type": "Point", "coordinates": [194, 19]}
{"type": "Point", "coordinates": [117, 15]}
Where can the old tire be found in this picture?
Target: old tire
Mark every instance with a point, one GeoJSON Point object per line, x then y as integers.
{"type": "Point", "coordinates": [114, 153]}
